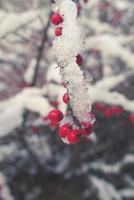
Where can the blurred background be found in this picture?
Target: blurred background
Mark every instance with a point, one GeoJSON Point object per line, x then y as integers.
{"type": "Point", "coordinates": [34, 163]}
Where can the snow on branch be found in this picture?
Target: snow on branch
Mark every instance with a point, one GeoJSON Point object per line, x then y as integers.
{"type": "Point", "coordinates": [98, 92]}
{"type": "Point", "coordinates": [4, 190]}
{"type": "Point", "coordinates": [105, 190]}
{"type": "Point", "coordinates": [12, 110]}
{"type": "Point", "coordinates": [110, 46]}
{"type": "Point", "coordinates": [67, 47]}
{"type": "Point", "coordinates": [112, 98]}
{"type": "Point", "coordinates": [14, 21]}
{"type": "Point", "coordinates": [110, 82]}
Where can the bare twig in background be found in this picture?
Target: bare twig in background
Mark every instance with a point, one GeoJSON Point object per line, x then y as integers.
{"type": "Point", "coordinates": [21, 131]}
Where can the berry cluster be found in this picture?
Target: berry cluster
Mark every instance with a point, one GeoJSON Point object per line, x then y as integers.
{"type": "Point", "coordinates": [70, 132]}
{"type": "Point", "coordinates": [112, 111]}
{"type": "Point", "coordinates": [66, 131]}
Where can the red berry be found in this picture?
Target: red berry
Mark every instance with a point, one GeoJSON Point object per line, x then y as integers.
{"type": "Point", "coordinates": [45, 118]}
{"type": "Point", "coordinates": [73, 136]}
{"type": "Point", "coordinates": [100, 107]}
{"type": "Point", "coordinates": [108, 113]}
{"type": "Point", "coordinates": [24, 84]}
{"type": "Point", "coordinates": [87, 125]}
{"type": "Point", "coordinates": [86, 132]}
{"type": "Point", "coordinates": [104, 6]}
{"type": "Point", "coordinates": [131, 118]}
{"type": "Point", "coordinates": [53, 124]}
{"type": "Point", "coordinates": [54, 103]}
{"type": "Point", "coordinates": [56, 18]}
{"type": "Point", "coordinates": [55, 115]}
{"type": "Point", "coordinates": [66, 98]}
{"type": "Point", "coordinates": [78, 7]}
{"type": "Point", "coordinates": [64, 130]}
{"type": "Point", "coordinates": [79, 59]}
{"type": "Point", "coordinates": [116, 110]}
{"type": "Point", "coordinates": [96, 52]}
{"type": "Point", "coordinates": [58, 31]}
{"type": "Point", "coordinates": [35, 129]}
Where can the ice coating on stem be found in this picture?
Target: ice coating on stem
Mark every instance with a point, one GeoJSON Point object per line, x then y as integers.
{"type": "Point", "coordinates": [67, 47]}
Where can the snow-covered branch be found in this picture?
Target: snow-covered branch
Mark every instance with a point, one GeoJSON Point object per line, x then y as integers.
{"type": "Point", "coordinates": [11, 22]}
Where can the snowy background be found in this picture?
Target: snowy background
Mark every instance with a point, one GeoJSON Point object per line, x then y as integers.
{"type": "Point", "coordinates": [34, 163]}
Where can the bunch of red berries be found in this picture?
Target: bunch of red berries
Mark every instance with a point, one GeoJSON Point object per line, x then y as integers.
{"type": "Point", "coordinates": [67, 131]}
{"type": "Point", "coordinates": [57, 19]}
{"type": "Point", "coordinates": [112, 111]}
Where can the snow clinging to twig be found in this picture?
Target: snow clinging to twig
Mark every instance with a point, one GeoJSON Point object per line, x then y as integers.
{"type": "Point", "coordinates": [67, 47]}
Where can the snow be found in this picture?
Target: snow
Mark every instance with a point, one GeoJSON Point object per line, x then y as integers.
{"type": "Point", "coordinates": [105, 190]}
{"type": "Point", "coordinates": [5, 193]}
{"type": "Point", "coordinates": [66, 48]}
{"type": "Point", "coordinates": [17, 21]}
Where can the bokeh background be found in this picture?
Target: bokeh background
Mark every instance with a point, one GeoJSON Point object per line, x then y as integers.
{"type": "Point", "coordinates": [34, 163]}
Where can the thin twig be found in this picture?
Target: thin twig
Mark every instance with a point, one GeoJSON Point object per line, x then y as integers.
{"type": "Point", "coordinates": [22, 130]}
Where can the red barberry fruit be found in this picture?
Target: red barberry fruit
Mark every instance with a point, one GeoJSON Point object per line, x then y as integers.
{"type": "Point", "coordinates": [66, 98]}
{"type": "Point", "coordinates": [55, 115]}
{"type": "Point", "coordinates": [100, 107]}
{"type": "Point", "coordinates": [35, 129]}
{"type": "Point", "coordinates": [104, 6]}
{"type": "Point", "coordinates": [87, 125]}
{"type": "Point", "coordinates": [56, 18]}
{"type": "Point", "coordinates": [78, 8]}
{"type": "Point", "coordinates": [131, 118]}
{"type": "Point", "coordinates": [73, 136]}
{"type": "Point", "coordinates": [53, 124]}
{"type": "Point", "coordinates": [86, 132]}
{"type": "Point", "coordinates": [79, 59]}
{"type": "Point", "coordinates": [64, 130]}
{"type": "Point", "coordinates": [54, 103]}
{"type": "Point", "coordinates": [108, 113]}
{"type": "Point", "coordinates": [116, 110]}
{"type": "Point", "coordinates": [45, 118]}
{"type": "Point", "coordinates": [58, 31]}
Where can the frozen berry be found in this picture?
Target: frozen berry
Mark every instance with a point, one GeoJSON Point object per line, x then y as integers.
{"type": "Point", "coordinates": [79, 59]}
{"type": "Point", "coordinates": [64, 130]}
{"type": "Point", "coordinates": [54, 103]}
{"type": "Point", "coordinates": [87, 125]}
{"type": "Point", "coordinates": [56, 18]}
{"type": "Point", "coordinates": [108, 113]}
{"type": "Point", "coordinates": [86, 132]}
{"type": "Point", "coordinates": [35, 129]}
{"type": "Point", "coordinates": [131, 118]}
{"type": "Point", "coordinates": [66, 98]}
{"type": "Point", "coordinates": [53, 124]}
{"type": "Point", "coordinates": [100, 107]}
{"type": "Point", "coordinates": [73, 136]}
{"type": "Point", "coordinates": [116, 110]}
{"type": "Point", "coordinates": [78, 8]}
{"type": "Point", "coordinates": [55, 115]}
{"type": "Point", "coordinates": [58, 31]}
